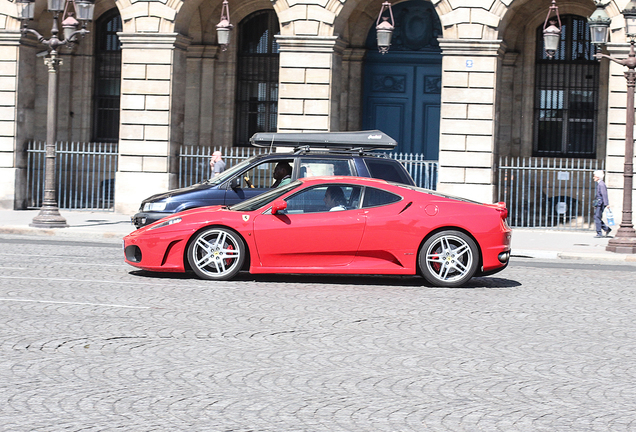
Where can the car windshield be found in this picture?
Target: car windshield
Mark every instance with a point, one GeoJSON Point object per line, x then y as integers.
{"type": "Point", "coordinates": [265, 198]}
{"type": "Point", "coordinates": [229, 173]}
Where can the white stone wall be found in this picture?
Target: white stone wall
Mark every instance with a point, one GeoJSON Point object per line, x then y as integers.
{"type": "Point", "coordinates": [467, 137]}
{"type": "Point", "coordinates": [307, 91]}
{"type": "Point", "coordinates": [9, 71]}
{"type": "Point", "coordinates": [152, 111]}
{"type": "Point", "coordinates": [616, 126]}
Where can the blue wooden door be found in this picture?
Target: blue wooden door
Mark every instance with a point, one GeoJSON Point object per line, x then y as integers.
{"type": "Point", "coordinates": [404, 102]}
{"type": "Point", "coordinates": [402, 89]}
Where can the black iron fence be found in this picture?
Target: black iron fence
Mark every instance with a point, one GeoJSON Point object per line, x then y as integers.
{"type": "Point", "coordinates": [539, 192]}
{"type": "Point", "coordinates": [548, 192]}
{"type": "Point", "coordinates": [194, 163]}
{"type": "Point", "coordinates": [85, 175]}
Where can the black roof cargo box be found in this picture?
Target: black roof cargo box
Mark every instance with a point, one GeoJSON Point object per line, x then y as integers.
{"type": "Point", "coordinates": [366, 140]}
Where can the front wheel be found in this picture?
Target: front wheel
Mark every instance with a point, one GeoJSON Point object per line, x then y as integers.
{"type": "Point", "coordinates": [216, 254]}
{"type": "Point", "coordinates": [449, 259]}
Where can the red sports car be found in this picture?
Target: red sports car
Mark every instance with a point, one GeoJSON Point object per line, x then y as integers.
{"type": "Point", "coordinates": [335, 225]}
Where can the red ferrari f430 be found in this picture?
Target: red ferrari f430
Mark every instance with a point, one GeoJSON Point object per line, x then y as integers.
{"type": "Point", "coordinates": [331, 225]}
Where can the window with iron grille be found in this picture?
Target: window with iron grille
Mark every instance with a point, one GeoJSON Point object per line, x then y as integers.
{"type": "Point", "coordinates": [257, 76]}
{"type": "Point", "coordinates": [107, 77]}
{"type": "Point", "coordinates": [566, 94]}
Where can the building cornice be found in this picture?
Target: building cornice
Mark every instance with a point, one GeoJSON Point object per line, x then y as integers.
{"type": "Point", "coordinates": [310, 43]}
{"type": "Point", "coordinates": [472, 47]}
{"type": "Point", "coordinates": [154, 40]}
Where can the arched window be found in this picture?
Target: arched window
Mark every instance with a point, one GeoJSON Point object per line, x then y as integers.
{"type": "Point", "coordinates": [257, 76]}
{"type": "Point", "coordinates": [107, 77]}
{"type": "Point", "coordinates": [566, 94]}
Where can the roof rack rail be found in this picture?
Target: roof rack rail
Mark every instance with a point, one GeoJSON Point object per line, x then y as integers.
{"type": "Point", "coordinates": [360, 141]}
{"type": "Point", "coordinates": [354, 151]}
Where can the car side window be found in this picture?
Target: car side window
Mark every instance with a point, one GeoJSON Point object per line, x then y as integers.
{"type": "Point", "coordinates": [385, 169]}
{"type": "Point", "coordinates": [376, 197]}
{"type": "Point", "coordinates": [324, 198]}
{"type": "Point", "coordinates": [313, 167]}
{"type": "Point", "coordinates": [261, 176]}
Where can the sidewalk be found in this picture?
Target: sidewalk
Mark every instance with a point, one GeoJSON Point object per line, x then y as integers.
{"type": "Point", "coordinates": [552, 244]}
{"type": "Point", "coordinates": [88, 225]}
{"type": "Point", "coordinates": [112, 227]}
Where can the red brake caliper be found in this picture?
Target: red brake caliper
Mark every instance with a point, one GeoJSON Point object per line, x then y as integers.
{"type": "Point", "coordinates": [228, 261]}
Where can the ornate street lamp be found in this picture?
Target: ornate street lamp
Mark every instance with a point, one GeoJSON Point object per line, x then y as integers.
{"type": "Point", "coordinates": [552, 33]}
{"type": "Point", "coordinates": [599, 23]}
{"type": "Point", "coordinates": [385, 29]}
{"type": "Point", "coordinates": [625, 239]}
{"type": "Point", "coordinates": [49, 216]}
{"type": "Point", "coordinates": [223, 28]}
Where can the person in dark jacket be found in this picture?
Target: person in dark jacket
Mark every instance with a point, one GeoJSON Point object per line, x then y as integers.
{"type": "Point", "coordinates": [601, 202]}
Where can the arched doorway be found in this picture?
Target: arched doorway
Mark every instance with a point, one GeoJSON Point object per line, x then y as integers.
{"type": "Point", "coordinates": [402, 89]}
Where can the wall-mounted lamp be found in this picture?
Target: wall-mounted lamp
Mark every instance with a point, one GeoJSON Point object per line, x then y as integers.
{"type": "Point", "coordinates": [552, 33]}
{"type": "Point", "coordinates": [385, 28]}
{"type": "Point", "coordinates": [599, 23]}
{"type": "Point", "coordinates": [223, 28]}
{"type": "Point", "coordinates": [629, 13]}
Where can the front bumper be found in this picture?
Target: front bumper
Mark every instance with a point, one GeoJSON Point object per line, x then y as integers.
{"type": "Point", "coordinates": [158, 252]}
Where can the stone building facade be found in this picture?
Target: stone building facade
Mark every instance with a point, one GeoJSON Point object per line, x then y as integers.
{"type": "Point", "coordinates": [476, 61]}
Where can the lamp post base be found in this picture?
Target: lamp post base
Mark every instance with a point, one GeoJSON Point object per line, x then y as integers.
{"type": "Point", "coordinates": [49, 217]}
{"type": "Point", "coordinates": [623, 244]}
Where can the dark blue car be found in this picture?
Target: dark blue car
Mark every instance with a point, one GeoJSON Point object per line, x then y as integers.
{"type": "Point", "coordinates": [314, 154]}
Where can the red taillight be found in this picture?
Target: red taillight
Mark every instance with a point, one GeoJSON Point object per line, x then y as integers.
{"type": "Point", "coordinates": [501, 208]}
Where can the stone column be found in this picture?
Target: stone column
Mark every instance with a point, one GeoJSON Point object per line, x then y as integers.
{"type": "Point", "coordinates": [468, 123]}
{"type": "Point", "coordinates": [309, 96]}
{"type": "Point", "coordinates": [508, 139]}
{"type": "Point", "coordinates": [200, 95]}
{"type": "Point", "coordinates": [17, 98]}
{"type": "Point", "coordinates": [351, 95]}
{"type": "Point", "coordinates": [152, 115]}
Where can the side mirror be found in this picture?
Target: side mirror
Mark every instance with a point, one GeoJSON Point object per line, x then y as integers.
{"type": "Point", "coordinates": [278, 206]}
{"type": "Point", "coordinates": [235, 183]}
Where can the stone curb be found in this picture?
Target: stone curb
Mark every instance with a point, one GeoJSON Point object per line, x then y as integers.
{"type": "Point", "coordinates": [546, 254]}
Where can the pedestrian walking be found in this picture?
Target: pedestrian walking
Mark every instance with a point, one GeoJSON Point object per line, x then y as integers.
{"type": "Point", "coordinates": [217, 164]}
{"type": "Point", "coordinates": [601, 202]}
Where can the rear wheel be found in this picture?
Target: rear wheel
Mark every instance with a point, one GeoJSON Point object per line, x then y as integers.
{"type": "Point", "coordinates": [449, 259]}
{"type": "Point", "coordinates": [216, 254]}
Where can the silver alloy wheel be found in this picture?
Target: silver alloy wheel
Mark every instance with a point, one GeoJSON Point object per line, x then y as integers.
{"type": "Point", "coordinates": [449, 258]}
{"type": "Point", "coordinates": [216, 253]}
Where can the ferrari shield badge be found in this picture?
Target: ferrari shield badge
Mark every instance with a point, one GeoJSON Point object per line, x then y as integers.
{"type": "Point", "coordinates": [246, 218]}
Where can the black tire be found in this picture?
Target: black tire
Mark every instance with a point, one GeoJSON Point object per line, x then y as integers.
{"type": "Point", "coordinates": [448, 259]}
{"type": "Point", "coordinates": [216, 254]}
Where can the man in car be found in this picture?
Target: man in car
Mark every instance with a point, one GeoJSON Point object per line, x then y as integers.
{"type": "Point", "coordinates": [282, 175]}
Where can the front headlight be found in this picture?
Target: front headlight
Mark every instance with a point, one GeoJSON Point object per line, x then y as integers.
{"type": "Point", "coordinates": [156, 206]}
{"type": "Point", "coordinates": [166, 223]}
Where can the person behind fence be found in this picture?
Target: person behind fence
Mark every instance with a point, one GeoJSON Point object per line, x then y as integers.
{"type": "Point", "coordinates": [601, 202]}
{"type": "Point", "coordinates": [335, 199]}
{"type": "Point", "coordinates": [217, 163]}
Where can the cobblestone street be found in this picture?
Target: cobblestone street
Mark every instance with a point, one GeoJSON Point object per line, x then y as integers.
{"type": "Point", "coordinates": [89, 343]}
